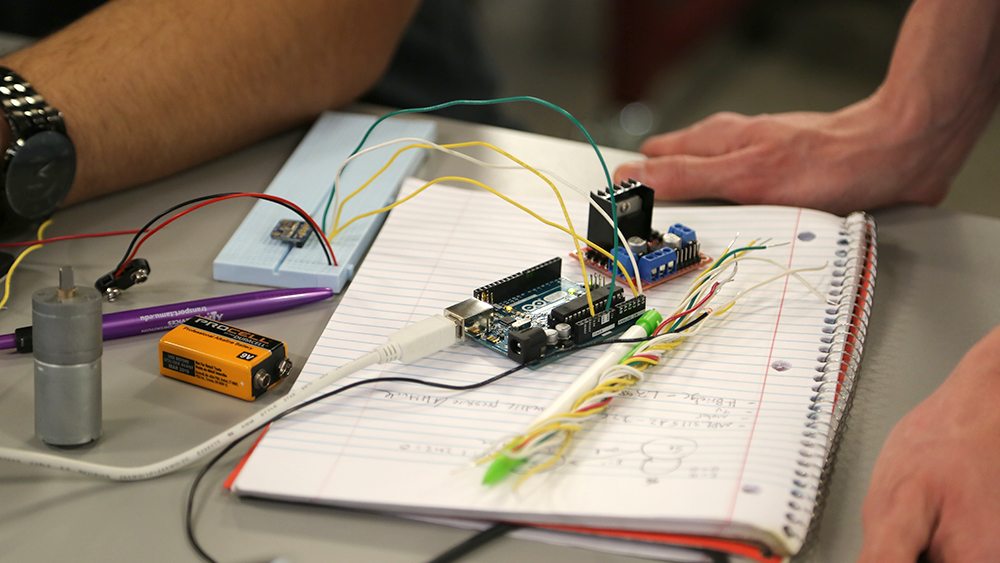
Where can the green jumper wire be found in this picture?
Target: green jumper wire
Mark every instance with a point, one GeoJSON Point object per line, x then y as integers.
{"type": "Point", "coordinates": [607, 174]}
{"type": "Point", "coordinates": [718, 263]}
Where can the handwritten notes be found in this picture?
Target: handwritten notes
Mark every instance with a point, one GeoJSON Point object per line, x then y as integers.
{"type": "Point", "coordinates": [709, 443]}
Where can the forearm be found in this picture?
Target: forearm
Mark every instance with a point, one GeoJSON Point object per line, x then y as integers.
{"type": "Point", "coordinates": [947, 56]}
{"type": "Point", "coordinates": [944, 78]}
{"type": "Point", "coordinates": [149, 87]}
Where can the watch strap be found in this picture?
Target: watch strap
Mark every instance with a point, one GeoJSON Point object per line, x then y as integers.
{"type": "Point", "coordinates": [25, 110]}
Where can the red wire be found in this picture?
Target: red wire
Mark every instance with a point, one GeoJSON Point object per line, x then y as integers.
{"type": "Point", "coordinates": [605, 402]}
{"type": "Point", "coordinates": [682, 313]}
{"type": "Point", "coordinates": [658, 329]}
{"type": "Point", "coordinates": [68, 237]}
{"type": "Point", "coordinates": [312, 223]}
{"type": "Point", "coordinates": [584, 409]}
{"type": "Point", "coordinates": [595, 405]}
{"type": "Point", "coordinates": [646, 356]}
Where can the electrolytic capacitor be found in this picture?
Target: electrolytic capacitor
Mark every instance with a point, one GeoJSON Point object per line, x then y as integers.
{"type": "Point", "coordinates": [563, 331]}
{"type": "Point", "coordinates": [638, 245]}
{"type": "Point", "coordinates": [66, 329]}
{"type": "Point", "coordinates": [551, 337]}
{"type": "Point", "coordinates": [670, 240]}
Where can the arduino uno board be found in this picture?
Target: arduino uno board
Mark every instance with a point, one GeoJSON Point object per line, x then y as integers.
{"type": "Point", "coordinates": [533, 314]}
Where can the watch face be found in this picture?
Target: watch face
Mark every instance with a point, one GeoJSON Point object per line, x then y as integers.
{"type": "Point", "coordinates": [40, 174]}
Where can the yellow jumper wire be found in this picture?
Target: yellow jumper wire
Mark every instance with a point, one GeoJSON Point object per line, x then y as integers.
{"type": "Point", "coordinates": [337, 229]}
{"type": "Point", "coordinates": [17, 261]}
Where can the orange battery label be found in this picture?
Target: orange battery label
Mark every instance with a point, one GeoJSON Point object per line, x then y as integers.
{"type": "Point", "coordinates": [221, 357]}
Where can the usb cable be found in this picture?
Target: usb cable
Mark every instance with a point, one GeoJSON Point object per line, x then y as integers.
{"type": "Point", "coordinates": [406, 345]}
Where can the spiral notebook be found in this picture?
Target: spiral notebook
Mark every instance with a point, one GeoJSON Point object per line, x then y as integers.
{"type": "Point", "coordinates": [728, 443]}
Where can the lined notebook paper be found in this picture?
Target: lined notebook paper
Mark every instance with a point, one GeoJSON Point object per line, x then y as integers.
{"type": "Point", "coordinates": [711, 444]}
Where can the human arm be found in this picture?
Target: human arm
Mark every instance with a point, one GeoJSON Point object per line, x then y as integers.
{"type": "Point", "coordinates": [905, 143]}
{"type": "Point", "coordinates": [150, 87]}
{"type": "Point", "coordinates": [935, 484]}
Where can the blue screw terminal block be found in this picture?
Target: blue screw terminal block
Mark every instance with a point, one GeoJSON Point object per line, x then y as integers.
{"type": "Point", "coordinates": [658, 264]}
{"type": "Point", "coordinates": [623, 258]}
{"type": "Point", "coordinates": [686, 233]}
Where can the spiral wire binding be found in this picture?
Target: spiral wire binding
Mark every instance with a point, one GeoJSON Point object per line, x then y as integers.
{"type": "Point", "coordinates": [838, 368]}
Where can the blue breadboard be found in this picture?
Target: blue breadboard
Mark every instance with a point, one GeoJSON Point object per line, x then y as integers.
{"type": "Point", "coordinates": [252, 256]}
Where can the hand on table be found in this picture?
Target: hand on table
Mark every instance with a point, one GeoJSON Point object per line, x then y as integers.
{"type": "Point", "coordinates": [936, 484]}
{"type": "Point", "coordinates": [862, 157]}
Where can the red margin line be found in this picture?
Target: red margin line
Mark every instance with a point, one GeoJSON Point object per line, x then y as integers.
{"type": "Point", "coordinates": [763, 386]}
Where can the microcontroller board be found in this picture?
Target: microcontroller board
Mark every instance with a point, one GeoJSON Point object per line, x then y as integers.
{"type": "Point", "coordinates": [532, 314]}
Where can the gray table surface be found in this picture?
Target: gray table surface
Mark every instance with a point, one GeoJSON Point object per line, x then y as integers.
{"type": "Point", "coordinates": [933, 301]}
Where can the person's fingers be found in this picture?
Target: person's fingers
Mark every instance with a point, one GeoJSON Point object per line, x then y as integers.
{"type": "Point", "coordinates": [719, 134]}
{"type": "Point", "coordinates": [682, 177]}
{"type": "Point", "coordinates": [898, 523]}
{"type": "Point", "coordinates": [635, 170]}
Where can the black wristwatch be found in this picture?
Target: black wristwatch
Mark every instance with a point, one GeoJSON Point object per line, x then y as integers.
{"type": "Point", "coordinates": [39, 164]}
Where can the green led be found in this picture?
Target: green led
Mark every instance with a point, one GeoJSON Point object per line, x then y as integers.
{"type": "Point", "coordinates": [500, 468]}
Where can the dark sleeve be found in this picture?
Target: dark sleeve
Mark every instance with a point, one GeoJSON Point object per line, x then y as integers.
{"type": "Point", "coordinates": [37, 18]}
{"type": "Point", "coordinates": [441, 59]}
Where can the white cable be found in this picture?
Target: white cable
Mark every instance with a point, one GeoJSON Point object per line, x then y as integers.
{"type": "Point", "coordinates": [607, 371]}
{"type": "Point", "coordinates": [787, 272]}
{"type": "Point", "coordinates": [707, 275]}
{"type": "Point", "coordinates": [795, 274]}
{"type": "Point", "coordinates": [473, 160]}
{"type": "Point", "coordinates": [623, 370]}
{"type": "Point", "coordinates": [620, 371]}
{"type": "Point", "coordinates": [712, 274]}
{"type": "Point", "coordinates": [407, 345]}
{"type": "Point", "coordinates": [538, 444]}
{"type": "Point", "coordinates": [667, 338]}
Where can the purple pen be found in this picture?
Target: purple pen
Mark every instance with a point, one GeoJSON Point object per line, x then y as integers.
{"type": "Point", "coordinates": [165, 317]}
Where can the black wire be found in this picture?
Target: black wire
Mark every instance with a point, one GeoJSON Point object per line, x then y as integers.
{"type": "Point", "coordinates": [160, 216]}
{"type": "Point", "coordinates": [189, 512]}
{"type": "Point", "coordinates": [700, 318]}
{"type": "Point", "coordinates": [484, 537]}
{"type": "Point", "coordinates": [189, 525]}
{"type": "Point", "coordinates": [146, 227]}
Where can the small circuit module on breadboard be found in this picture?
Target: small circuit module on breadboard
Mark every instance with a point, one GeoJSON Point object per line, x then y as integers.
{"type": "Point", "coordinates": [265, 251]}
